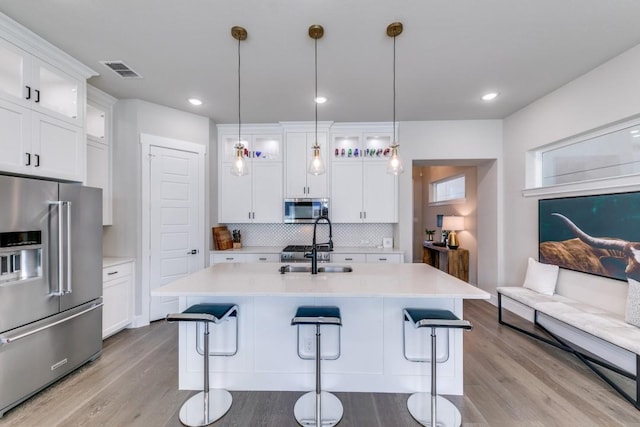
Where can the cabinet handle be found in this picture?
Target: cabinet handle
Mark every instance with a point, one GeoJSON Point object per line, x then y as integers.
{"type": "Point", "coordinates": [348, 259]}
{"type": "Point", "coordinates": [249, 215]}
{"type": "Point", "coordinates": [28, 159]}
{"type": "Point", "coordinates": [37, 156]}
{"type": "Point", "coordinates": [111, 273]}
{"type": "Point", "coordinates": [37, 95]}
{"type": "Point", "coordinates": [382, 259]}
{"type": "Point", "coordinates": [229, 258]}
{"type": "Point", "coordinates": [365, 214]}
{"type": "Point", "coordinates": [262, 259]}
{"type": "Point", "coordinates": [28, 92]}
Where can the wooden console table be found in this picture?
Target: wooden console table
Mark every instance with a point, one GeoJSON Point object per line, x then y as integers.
{"type": "Point", "coordinates": [452, 261]}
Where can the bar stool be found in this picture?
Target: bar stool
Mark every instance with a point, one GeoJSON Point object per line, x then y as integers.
{"type": "Point", "coordinates": [208, 405]}
{"type": "Point", "coordinates": [319, 408]}
{"type": "Point", "coordinates": [429, 409]}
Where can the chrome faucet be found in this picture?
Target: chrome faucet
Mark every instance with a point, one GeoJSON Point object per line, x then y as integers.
{"type": "Point", "coordinates": [314, 246]}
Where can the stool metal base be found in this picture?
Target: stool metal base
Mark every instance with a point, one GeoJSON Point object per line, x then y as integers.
{"type": "Point", "coordinates": [305, 409]}
{"type": "Point", "coordinates": [192, 411]}
{"type": "Point", "coordinates": [419, 405]}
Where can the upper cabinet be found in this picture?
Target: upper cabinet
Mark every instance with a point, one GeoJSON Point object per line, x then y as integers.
{"type": "Point", "coordinates": [257, 196]}
{"type": "Point", "coordinates": [42, 106]}
{"type": "Point", "coordinates": [361, 189]}
{"type": "Point", "coordinates": [299, 140]}
{"type": "Point", "coordinates": [99, 147]}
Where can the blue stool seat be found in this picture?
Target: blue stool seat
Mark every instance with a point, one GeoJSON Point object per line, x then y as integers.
{"type": "Point", "coordinates": [429, 409]}
{"type": "Point", "coordinates": [210, 404]}
{"type": "Point", "coordinates": [319, 408]}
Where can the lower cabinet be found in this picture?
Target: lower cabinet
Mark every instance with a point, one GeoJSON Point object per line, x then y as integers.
{"type": "Point", "coordinates": [366, 258]}
{"type": "Point", "coordinates": [117, 295]}
{"type": "Point", "coordinates": [217, 258]}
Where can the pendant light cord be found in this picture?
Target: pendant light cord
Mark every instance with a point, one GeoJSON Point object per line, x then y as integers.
{"type": "Point", "coordinates": [239, 121]}
{"type": "Point", "coordinates": [315, 100]}
{"type": "Point", "coordinates": [394, 90]}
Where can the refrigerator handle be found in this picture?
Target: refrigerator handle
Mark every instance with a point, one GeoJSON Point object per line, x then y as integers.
{"type": "Point", "coordinates": [59, 289]}
{"type": "Point", "coordinates": [9, 339]}
{"type": "Point", "coordinates": [67, 255]}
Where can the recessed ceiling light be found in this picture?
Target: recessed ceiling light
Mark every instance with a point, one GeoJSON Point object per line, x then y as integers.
{"type": "Point", "coordinates": [635, 131]}
{"type": "Point", "coordinates": [637, 135]}
{"type": "Point", "coordinates": [490, 96]}
{"type": "Point", "coordinates": [320, 100]}
{"type": "Point", "coordinates": [194, 101]}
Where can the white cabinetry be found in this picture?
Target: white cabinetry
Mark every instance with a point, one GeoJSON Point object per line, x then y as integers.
{"type": "Point", "coordinates": [256, 197]}
{"type": "Point", "coordinates": [384, 258]}
{"type": "Point", "coordinates": [217, 258]}
{"type": "Point", "coordinates": [99, 146]}
{"type": "Point", "coordinates": [298, 154]}
{"type": "Point", "coordinates": [361, 189]}
{"type": "Point", "coordinates": [117, 295]}
{"type": "Point", "coordinates": [42, 105]}
{"type": "Point", "coordinates": [342, 258]}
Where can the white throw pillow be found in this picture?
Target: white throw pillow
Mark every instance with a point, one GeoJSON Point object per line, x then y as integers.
{"type": "Point", "coordinates": [541, 278]}
{"type": "Point", "coordinates": [632, 314]}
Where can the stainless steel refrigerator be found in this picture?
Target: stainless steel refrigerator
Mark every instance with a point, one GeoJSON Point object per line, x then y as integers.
{"type": "Point", "coordinates": [50, 283]}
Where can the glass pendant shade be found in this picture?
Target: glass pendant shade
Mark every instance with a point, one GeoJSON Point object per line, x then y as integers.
{"type": "Point", "coordinates": [239, 165]}
{"type": "Point", "coordinates": [395, 163]}
{"type": "Point", "coordinates": [316, 166]}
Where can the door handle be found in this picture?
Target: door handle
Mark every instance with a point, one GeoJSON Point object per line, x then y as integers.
{"type": "Point", "coordinates": [193, 252]}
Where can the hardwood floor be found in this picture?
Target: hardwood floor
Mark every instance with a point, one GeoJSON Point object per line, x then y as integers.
{"type": "Point", "coordinates": [510, 380]}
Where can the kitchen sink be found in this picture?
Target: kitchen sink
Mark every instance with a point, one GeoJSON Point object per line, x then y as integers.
{"type": "Point", "coordinates": [321, 269]}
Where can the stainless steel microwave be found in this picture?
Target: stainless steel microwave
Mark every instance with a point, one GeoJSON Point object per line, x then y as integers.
{"type": "Point", "coordinates": [303, 211]}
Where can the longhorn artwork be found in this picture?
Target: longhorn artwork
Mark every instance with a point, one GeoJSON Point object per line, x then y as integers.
{"type": "Point", "coordinates": [592, 234]}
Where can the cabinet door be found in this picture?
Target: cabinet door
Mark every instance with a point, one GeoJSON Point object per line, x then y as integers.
{"type": "Point", "coordinates": [58, 148]}
{"type": "Point", "coordinates": [296, 164]}
{"type": "Point", "coordinates": [116, 312]}
{"type": "Point", "coordinates": [98, 175]}
{"type": "Point", "coordinates": [346, 192]}
{"type": "Point", "coordinates": [317, 184]}
{"type": "Point", "coordinates": [57, 93]}
{"type": "Point", "coordinates": [13, 66]}
{"type": "Point", "coordinates": [234, 195]}
{"type": "Point", "coordinates": [267, 192]}
{"type": "Point", "coordinates": [15, 127]}
{"type": "Point", "coordinates": [380, 195]}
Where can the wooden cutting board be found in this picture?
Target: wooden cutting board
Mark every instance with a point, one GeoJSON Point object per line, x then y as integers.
{"type": "Point", "coordinates": [222, 238]}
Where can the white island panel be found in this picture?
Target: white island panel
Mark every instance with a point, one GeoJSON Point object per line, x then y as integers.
{"type": "Point", "coordinates": [371, 300]}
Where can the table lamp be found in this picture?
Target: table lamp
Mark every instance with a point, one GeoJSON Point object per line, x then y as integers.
{"type": "Point", "coordinates": [453, 224]}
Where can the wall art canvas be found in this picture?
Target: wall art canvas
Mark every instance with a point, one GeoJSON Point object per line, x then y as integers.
{"type": "Point", "coordinates": [590, 234]}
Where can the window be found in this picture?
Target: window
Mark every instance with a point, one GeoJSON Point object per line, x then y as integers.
{"type": "Point", "coordinates": [607, 154]}
{"type": "Point", "coordinates": [448, 190]}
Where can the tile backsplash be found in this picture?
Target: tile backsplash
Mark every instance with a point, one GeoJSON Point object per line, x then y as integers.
{"type": "Point", "coordinates": [351, 235]}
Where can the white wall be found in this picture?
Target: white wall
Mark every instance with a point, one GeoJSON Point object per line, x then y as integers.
{"type": "Point", "coordinates": [132, 117]}
{"type": "Point", "coordinates": [605, 95]}
{"type": "Point", "coordinates": [477, 142]}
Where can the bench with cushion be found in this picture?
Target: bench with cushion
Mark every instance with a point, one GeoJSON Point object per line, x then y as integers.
{"type": "Point", "coordinates": [604, 325]}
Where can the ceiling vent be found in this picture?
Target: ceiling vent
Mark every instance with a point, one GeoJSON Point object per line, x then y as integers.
{"type": "Point", "coordinates": [122, 69]}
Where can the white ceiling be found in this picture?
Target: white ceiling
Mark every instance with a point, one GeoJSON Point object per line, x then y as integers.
{"type": "Point", "coordinates": [450, 53]}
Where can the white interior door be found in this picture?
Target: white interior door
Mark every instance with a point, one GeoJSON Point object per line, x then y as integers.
{"type": "Point", "coordinates": [175, 238]}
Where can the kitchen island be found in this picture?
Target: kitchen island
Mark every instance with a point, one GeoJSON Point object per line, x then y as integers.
{"type": "Point", "coordinates": [371, 298]}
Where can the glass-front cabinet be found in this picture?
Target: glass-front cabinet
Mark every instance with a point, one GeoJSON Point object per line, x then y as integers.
{"type": "Point", "coordinates": [30, 82]}
{"type": "Point", "coordinates": [255, 197]}
{"type": "Point", "coordinates": [361, 190]}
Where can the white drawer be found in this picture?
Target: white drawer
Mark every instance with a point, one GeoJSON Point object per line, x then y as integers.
{"type": "Point", "coordinates": [117, 271]}
{"type": "Point", "coordinates": [262, 258]}
{"type": "Point", "coordinates": [388, 258]}
{"type": "Point", "coordinates": [342, 258]}
{"type": "Point", "coordinates": [231, 257]}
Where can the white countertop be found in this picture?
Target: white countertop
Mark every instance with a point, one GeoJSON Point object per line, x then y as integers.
{"type": "Point", "coordinates": [366, 280]}
{"type": "Point", "coordinates": [111, 261]}
{"type": "Point", "coordinates": [338, 250]}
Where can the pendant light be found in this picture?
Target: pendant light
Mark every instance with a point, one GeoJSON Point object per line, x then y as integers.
{"type": "Point", "coordinates": [239, 165]}
{"type": "Point", "coordinates": [395, 164]}
{"type": "Point", "coordinates": [316, 166]}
